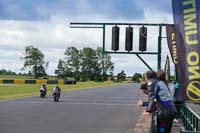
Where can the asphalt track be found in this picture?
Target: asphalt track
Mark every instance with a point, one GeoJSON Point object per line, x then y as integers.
{"type": "Point", "coordinates": [98, 110]}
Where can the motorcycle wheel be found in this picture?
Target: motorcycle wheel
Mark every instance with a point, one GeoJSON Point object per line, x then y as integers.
{"type": "Point", "coordinates": [54, 98]}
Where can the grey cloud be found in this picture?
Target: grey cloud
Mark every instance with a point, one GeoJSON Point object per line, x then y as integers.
{"type": "Point", "coordinates": [42, 10]}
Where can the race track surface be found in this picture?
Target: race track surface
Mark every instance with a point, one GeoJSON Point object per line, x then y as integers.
{"type": "Point", "coordinates": [98, 110]}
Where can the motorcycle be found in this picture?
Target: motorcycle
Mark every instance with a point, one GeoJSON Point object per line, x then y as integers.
{"type": "Point", "coordinates": [56, 97]}
{"type": "Point", "coordinates": [42, 93]}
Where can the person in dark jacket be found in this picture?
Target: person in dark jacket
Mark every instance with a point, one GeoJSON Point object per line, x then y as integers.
{"type": "Point", "coordinates": [160, 102]}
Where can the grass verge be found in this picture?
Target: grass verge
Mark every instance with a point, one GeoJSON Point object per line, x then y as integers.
{"type": "Point", "coordinates": [9, 91]}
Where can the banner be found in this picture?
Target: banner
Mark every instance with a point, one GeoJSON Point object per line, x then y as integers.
{"type": "Point", "coordinates": [186, 15]}
{"type": "Point", "coordinates": [167, 69]}
{"type": "Point", "coordinates": [177, 53]}
{"type": "Point", "coordinates": [171, 41]}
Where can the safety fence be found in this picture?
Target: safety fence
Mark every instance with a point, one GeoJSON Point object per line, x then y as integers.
{"type": "Point", "coordinates": [30, 81]}
{"type": "Point", "coordinates": [190, 120]}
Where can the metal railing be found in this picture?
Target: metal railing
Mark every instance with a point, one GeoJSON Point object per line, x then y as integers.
{"type": "Point", "coordinates": [190, 120]}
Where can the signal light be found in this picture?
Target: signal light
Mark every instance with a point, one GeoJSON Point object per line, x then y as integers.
{"type": "Point", "coordinates": [115, 38]}
{"type": "Point", "coordinates": [143, 39]}
{"type": "Point", "coordinates": [129, 39]}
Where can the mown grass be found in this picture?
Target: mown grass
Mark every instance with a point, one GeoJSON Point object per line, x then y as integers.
{"type": "Point", "coordinates": [8, 91]}
{"type": "Point", "coordinates": [15, 77]}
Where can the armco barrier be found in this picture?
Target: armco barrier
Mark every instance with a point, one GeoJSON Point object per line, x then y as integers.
{"type": "Point", "coordinates": [19, 81]}
{"type": "Point", "coordinates": [191, 121]}
{"type": "Point", "coordinates": [70, 82]}
{"type": "Point", "coordinates": [41, 81]}
{"type": "Point", "coordinates": [31, 81]}
{"type": "Point", "coordinates": [61, 82]}
{"type": "Point", "coordinates": [52, 81]}
{"type": "Point", "coordinates": [8, 81]}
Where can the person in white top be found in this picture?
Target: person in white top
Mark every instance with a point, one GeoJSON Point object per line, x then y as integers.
{"type": "Point", "coordinates": [43, 90]}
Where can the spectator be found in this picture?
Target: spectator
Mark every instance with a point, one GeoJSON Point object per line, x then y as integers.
{"type": "Point", "coordinates": [160, 100]}
{"type": "Point", "coordinates": [141, 103]}
{"type": "Point", "coordinates": [177, 102]}
{"type": "Point", "coordinates": [144, 88]}
{"type": "Point", "coordinates": [162, 76]}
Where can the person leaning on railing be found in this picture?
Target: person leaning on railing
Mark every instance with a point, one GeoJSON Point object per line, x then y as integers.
{"type": "Point", "coordinates": [144, 88]}
{"type": "Point", "coordinates": [159, 97]}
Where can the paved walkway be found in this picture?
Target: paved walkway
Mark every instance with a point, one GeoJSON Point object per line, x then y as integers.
{"type": "Point", "coordinates": [176, 127]}
{"type": "Point", "coordinates": [143, 124]}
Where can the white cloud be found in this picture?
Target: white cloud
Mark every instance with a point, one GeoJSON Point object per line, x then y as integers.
{"type": "Point", "coordinates": [54, 36]}
{"type": "Point", "coordinates": [51, 37]}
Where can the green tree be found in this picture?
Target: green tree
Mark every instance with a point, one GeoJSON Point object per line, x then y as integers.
{"type": "Point", "coordinates": [6, 72]}
{"type": "Point", "coordinates": [121, 76]}
{"type": "Point", "coordinates": [105, 62]}
{"type": "Point", "coordinates": [60, 71]}
{"type": "Point", "coordinates": [3, 72]}
{"type": "Point", "coordinates": [72, 66]}
{"type": "Point", "coordinates": [40, 71]}
{"type": "Point", "coordinates": [34, 60]}
{"type": "Point", "coordinates": [89, 64]}
{"type": "Point", "coordinates": [136, 77]}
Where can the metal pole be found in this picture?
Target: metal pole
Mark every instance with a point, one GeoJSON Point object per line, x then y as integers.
{"type": "Point", "coordinates": [103, 51]}
{"type": "Point", "coordinates": [104, 38]}
{"type": "Point", "coordinates": [150, 53]}
{"type": "Point", "coordinates": [139, 24]}
{"type": "Point", "coordinates": [143, 61]}
{"type": "Point", "coordinates": [159, 46]}
{"type": "Point", "coordinates": [102, 25]}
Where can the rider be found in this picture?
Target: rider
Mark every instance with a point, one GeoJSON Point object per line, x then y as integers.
{"type": "Point", "coordinates": [43, 88]}
{"type": "Point", "coordinates": [57, 90]}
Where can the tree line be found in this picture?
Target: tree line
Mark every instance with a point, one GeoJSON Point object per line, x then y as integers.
{"type": "Point", "coordinates": [81, 64]}
{"type": "Point", "coordinates": [6, 72]}
{"type": "Point", "coordinates": [84, 64]}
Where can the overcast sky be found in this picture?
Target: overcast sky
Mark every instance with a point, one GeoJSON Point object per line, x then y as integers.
{"type": "Point", "coordinates": [45, 25]}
